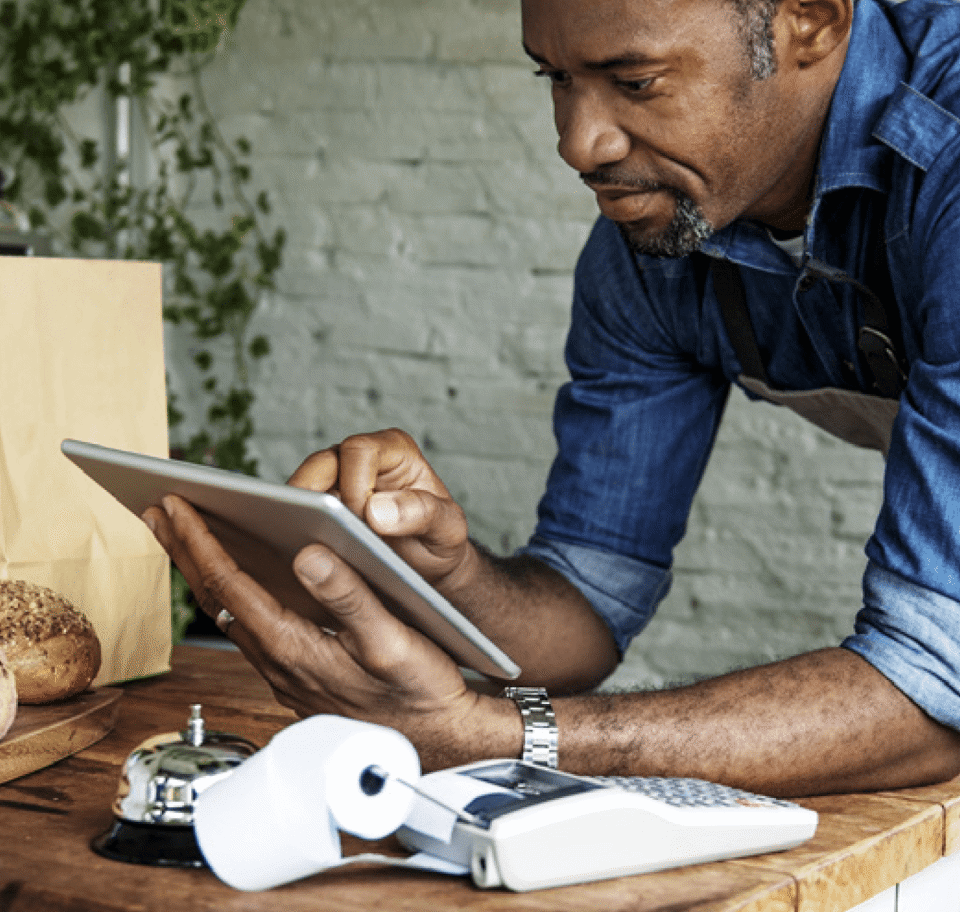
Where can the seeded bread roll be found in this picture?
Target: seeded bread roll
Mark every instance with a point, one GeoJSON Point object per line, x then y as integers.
{"type": "Point", "coordinates": [51, 647]}
{"type": "Point", "coordinates": [8, 696]}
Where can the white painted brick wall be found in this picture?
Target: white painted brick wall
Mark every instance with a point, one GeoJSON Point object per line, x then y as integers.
{"type": "Point", "coordinates": [433, 232]}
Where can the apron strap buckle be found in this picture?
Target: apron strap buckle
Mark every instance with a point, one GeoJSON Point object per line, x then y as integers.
{"type": "Point", "coordinates": [878, 348]}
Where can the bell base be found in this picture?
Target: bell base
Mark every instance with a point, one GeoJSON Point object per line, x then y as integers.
{"type": "Point", "coordinates": [158, 845]}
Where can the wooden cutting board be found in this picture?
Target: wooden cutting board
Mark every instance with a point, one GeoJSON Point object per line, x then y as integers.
{"type": "Point", "coordinates": [41, 735]}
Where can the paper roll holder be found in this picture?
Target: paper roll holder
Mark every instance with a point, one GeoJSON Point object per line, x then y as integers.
{"type": "Point", "coordinates": [158, 789]}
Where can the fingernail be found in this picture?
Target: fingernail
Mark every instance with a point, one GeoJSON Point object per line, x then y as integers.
{"type": "Point", "coordinates": [314, 565]}
{"type": "Point", "coordinates": [384, 511]}
{"type": "Point", "coordinates": [150, 521]}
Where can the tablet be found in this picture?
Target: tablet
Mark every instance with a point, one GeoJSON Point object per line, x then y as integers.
{"type": "Point", "coordinates": [262, 525]}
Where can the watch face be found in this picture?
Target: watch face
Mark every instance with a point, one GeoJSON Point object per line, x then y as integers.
{"type": "Point", "coordinates": [528, 783]}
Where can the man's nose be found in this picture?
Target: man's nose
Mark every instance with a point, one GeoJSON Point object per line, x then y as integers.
{"type": "Point", "coordinates": [590, 134]}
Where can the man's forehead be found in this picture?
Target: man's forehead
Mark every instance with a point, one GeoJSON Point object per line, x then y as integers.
{"type": "Point", "coordinates": [597, 29]}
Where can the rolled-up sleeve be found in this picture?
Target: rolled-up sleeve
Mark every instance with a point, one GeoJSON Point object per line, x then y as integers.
{"type": "Point", "coordinates": [634, 427]}
{"type": "Point", "coordinates": [909, 626]}
{"type": "Point", "coordinates": [624, 591]}
{"type": "Point", "coordinates": [912, 636]}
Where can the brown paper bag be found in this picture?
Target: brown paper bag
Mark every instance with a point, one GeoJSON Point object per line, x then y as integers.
{"type": "Point", "coordinates": [81, 355]}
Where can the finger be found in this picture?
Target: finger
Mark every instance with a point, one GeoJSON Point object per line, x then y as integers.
{"type": "Point", "coordinates": [369, 462]}
{"type": "Point", "coordinates": [158, 521]}
{"type": "Point", "coordinates": [355, 466]}
{"type": "Point", "coordinates": [318, 472]}
{"type": "Point", "coordinates": [372, 636]}
{"type": "Point", "coordinates": [365, 463]}
{"type": "Point", "coordinates": [214, 578]}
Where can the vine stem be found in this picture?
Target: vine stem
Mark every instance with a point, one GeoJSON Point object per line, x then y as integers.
{"type": "Point", "coordinates": [225, 147]}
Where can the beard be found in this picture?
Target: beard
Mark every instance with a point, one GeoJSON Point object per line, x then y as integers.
{"type": "Point", "coordinates": [687, 230]}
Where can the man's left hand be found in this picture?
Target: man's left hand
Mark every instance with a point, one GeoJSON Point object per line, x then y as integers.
{"type": "Point", "coordinates": [374, 667]}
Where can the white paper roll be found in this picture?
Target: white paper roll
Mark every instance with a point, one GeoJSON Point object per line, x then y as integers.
{"type": "Point", "coordinates": [274, 819]}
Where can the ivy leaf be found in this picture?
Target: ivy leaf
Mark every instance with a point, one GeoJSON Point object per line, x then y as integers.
{"type": "Point", "coordinates": [86, 227]}
{"type": "Point", "coordinates": [260, 347]}
{"type": "Point", "coordinates": [54, 54]}
{"type": "Point", "coordinates": [54, 192]}
{"type": "Point", "coordinates": [89, 153]}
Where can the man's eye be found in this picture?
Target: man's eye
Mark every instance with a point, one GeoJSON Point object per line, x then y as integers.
{"type": "Point", "coordinates": [636, 86]}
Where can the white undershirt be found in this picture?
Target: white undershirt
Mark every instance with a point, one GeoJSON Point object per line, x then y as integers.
{"type": "Point", "coordinates": [793, 247]}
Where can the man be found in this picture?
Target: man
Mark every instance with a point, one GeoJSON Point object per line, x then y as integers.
{"type": "Point", "coordinates": [793, 141]}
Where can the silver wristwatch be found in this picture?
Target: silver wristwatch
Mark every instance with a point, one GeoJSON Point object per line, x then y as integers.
{"type": "Point", "coordinates": [540, 733]}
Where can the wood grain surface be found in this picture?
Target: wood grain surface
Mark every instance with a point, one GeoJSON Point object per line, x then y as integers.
{"type": "Point", "coordinates": [48, 818]}
{"type": "Point", "coordinates": [41, 735]}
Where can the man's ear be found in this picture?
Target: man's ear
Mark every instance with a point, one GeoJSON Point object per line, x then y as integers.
{"type": "Point", "coordinates": [813, 29]}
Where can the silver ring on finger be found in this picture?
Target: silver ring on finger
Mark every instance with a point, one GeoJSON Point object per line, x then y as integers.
{"type": "Point", "coordinates": [223, 620]}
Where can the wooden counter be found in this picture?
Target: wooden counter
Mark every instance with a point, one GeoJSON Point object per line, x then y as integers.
{"type": "Point", "coordinates": [864, 845]}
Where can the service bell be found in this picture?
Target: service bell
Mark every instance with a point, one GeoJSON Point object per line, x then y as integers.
{"type": "Point", "coordinates": [158, 790]}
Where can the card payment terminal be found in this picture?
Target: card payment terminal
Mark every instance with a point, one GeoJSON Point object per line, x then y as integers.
{"type": "Point", "coordinates": [531, 827]}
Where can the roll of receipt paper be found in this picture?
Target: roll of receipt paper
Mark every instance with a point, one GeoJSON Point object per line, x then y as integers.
{"type": "Point", "coordinates": [275, 818]}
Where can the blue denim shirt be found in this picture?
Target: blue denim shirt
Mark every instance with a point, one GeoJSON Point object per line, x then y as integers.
{"type": "Point", "coordinates": [651, 363]}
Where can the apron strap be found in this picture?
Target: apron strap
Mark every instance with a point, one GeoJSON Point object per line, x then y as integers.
{"type": "Point", "coordinates": [728, 286]}
{"type": "Point", "coordinates": [875, 339]}
{"type": "Point", "coordinates": [880, 340]}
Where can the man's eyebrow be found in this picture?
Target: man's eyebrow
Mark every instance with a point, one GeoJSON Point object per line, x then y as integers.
{"type": "Point", "coordinates": [611, 63]}
{"type": "Point", "coordinates": [534, 56]}
{"type": "Point", "coordinates": [623, 61]}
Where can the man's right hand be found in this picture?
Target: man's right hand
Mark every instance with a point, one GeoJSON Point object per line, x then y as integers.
{"type": "Point", "coordinates": [384, 479]}
{"type": "Point", "coordinates": [539, 619]}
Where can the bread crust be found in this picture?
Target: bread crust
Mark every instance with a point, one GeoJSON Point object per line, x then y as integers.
{"type": "Point", "coordinates": [8, 696]}
{"type": "Point", "coordinates": [51, 648]}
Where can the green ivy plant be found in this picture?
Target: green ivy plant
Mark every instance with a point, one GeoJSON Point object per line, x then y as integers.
{"type": "Point", "coordinates": [53, 56]}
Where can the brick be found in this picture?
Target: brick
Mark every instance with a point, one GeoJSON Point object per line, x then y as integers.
{"type": "Point", "coordinates": [437, 188]}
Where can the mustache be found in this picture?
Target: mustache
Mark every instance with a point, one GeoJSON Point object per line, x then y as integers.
{"type": "Point", "coordinates": [614, 178]}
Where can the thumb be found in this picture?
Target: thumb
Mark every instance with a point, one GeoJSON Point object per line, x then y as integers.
{"type": "Point", "coordinates": [437, 522]}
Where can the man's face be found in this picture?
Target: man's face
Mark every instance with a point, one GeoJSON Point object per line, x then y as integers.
{"type": "Point", "coordinates": [659, 110]}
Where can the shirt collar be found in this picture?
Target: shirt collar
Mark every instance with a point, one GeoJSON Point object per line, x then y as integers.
{"type": "Point", "coordinates": [851, 154]}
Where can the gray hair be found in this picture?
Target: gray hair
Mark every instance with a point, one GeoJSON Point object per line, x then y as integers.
{"type": "Point", "coordinates": [756, 28]}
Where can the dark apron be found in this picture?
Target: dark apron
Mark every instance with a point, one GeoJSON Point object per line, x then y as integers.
{"type": "Point", "coordinates": [863, 419]}
{"type": "Point", "coordinates": [858, 418]}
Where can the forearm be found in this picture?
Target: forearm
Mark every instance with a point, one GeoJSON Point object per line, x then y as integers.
{"type": "Point", "coordinates": [822, 722]}
{"type": "Point", "coordinates": [537, 617]}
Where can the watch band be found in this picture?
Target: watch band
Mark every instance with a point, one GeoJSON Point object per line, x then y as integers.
{"type": "Point", "coordinates": [540, 734]}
